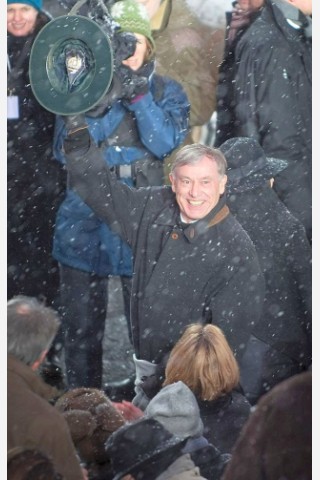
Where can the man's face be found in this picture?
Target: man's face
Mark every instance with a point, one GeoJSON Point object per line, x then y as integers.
{"type": "Point", "coordinates": [21, 19]}
{"type": "Point", "coordinates": [250, 4]}
{"type": "Point", "coordinates": [198, 188]}
{"type": "Point", "coordinates": [304, 5]}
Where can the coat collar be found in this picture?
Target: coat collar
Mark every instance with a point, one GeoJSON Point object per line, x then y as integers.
{"type": "Point", "coordinates": [171, 217]}
{"type": "Point", "coordinates": [290, 19]}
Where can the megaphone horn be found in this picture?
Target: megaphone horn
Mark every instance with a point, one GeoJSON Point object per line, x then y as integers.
{"type": "Point", "coordinates": [71, 65]}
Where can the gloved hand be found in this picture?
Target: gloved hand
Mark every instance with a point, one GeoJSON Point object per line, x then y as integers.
{"type": "Point", "coordinates": [128, 410]}
{"type": "Point", "coordinates": [134, 83]}
{"type": "Point", "coordinates": [74, 123]}
{"type": "Point", "coordinates": [123, 45]}
{"type": "Point", "coordinates": [78, 136]}
{"type": "Point", "coordinates": [114, 93]}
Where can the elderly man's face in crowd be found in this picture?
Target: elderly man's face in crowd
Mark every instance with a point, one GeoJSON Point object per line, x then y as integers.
{"type": "Point", "coordinates": [250, 4]}
{"type": "Point", "coordinates": [198, 188]}
{"type": "Point", "coordinates": [304, 5]}
{"type": "Point", "coordinates": [21, 19]}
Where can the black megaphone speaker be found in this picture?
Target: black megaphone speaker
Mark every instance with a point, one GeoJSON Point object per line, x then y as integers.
{"type": "Point", "coordinates": [71, 65]}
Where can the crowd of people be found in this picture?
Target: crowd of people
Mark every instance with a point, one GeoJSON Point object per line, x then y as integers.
{"type": "Point", "coordinates": [212, 244]}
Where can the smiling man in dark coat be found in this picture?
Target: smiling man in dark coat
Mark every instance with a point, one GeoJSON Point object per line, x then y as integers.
{"type": "Point", "coordinates": [193, 262]}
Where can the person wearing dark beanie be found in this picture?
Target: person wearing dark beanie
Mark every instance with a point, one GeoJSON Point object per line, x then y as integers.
{"type": "Point", "coordinates": [35, 183]}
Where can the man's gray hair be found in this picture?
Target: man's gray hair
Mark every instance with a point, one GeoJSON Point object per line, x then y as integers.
{"type": "Point", "coordinates": [192, 154]}
{"type": "Point", "coordinates": [31, 328]}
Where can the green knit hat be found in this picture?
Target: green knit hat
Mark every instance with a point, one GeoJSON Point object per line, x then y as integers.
{"type": "Point", "coordinates": [132, 17]}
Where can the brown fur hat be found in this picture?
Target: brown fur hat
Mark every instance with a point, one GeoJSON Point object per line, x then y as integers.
{"type": "Point", "coordinates": [92, 418]}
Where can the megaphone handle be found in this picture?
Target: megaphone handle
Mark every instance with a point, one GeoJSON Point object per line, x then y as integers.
{"type": "Point", "coordinates": [79, 4]}
{"type": "Point", "coordinates": [76, 7]}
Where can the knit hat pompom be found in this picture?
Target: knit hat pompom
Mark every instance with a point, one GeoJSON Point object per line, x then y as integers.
{"type": "Point", "coordinates": [81, 424]}
{"type": "Point", "coordinates": [92, 418]}
{"type": "Point", "coordinates": [132, 17]}
{"type": "Point", "coordinates": [37, 4]}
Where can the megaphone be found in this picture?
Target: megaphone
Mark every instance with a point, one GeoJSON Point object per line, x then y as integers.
{"type": "Point", "coordinates": [71, 65]}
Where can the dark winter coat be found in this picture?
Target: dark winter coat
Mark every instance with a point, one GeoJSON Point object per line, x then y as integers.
{"type": "Point", "coordinates": [276, 442]}
{"type": "Point", "coordinates": [34, 127]}
{"type": "Point", "coordinates": [35, 181]}
{"type": "Point", "coordinates": [226, 126]}
{"type": "Point", "coordinates": [33, 423]}
{"type": "Point", "coordinates": [224, 418]}
{"type": "Point", "coordinates": [205, 272]}
{"type": "Point", "coordinates": [285, 258]}
{"type": "Point", "coordinates": [138, 136]}
{"type": "Point", "coordinates": [273, 92]}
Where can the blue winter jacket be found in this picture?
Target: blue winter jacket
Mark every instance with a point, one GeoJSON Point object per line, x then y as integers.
{"type": "Point", "coordinates": [139, 135]}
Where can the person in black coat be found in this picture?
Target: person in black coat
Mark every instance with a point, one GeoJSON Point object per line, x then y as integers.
{"type": "Point", "coordinates": [281, 346]}
{"type": "Point", "coordinates": [35, 180]}
{"type": "Point", "coordinates": [243, 13]}
{"type": "Point", "coordinates": [192, 260]}
{"type": "Point", "coordinates": [273, 96]}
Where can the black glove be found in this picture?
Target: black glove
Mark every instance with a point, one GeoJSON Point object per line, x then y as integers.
{"type": "Point", "coordinates": [123, 45]}
{"type": "Point", "coordinates": [133, 83]}
{"type": "Point", "coordinates": [153, 384]}
{"type": "Point", "coordinates": [96, 10]}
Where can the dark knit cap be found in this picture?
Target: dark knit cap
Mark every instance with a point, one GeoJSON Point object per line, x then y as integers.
{"type": "Point", "coordinates": [143, 448]}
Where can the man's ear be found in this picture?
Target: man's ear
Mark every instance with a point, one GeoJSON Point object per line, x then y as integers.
{"type": "Point", "coordinates": [39, 361]}
{"type": "Point", "coordinates": [222, 184]}
{"type": "Point", "coordinates": [171, 178]}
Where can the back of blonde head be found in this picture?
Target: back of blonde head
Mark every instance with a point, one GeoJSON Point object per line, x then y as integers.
{"type": "Point", "coordinates": [203, 360]}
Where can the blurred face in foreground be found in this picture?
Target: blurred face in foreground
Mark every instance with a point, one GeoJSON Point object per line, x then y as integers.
{"type": "Point", "coordinates": [304, 5]}
{"type": "Point", "coordinates": [140, 54]}
{"type": "Point", "coordinates": [198, 188]}
{"type": "Point", "coordinates": [250, 4]}
{"type": "Point", "coordinates": [21, 19]}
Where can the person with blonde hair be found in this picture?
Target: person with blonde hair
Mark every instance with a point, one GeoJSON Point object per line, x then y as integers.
{"type": "Point", "coordinates": [203, 360]}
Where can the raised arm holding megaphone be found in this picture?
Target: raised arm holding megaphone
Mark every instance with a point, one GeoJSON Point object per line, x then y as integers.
{"type": "Point", "coordinates": [75, 59]}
